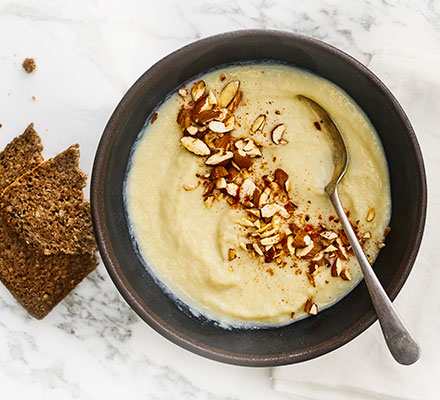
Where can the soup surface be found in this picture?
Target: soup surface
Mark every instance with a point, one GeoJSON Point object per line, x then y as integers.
{"type": "Point", "coordinates": [226, 202]}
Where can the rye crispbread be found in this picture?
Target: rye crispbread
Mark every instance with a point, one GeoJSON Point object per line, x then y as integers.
{"type": "Point", "coordinates": [19, 156]}
{"type": "Point", "coordinates": [46, 206]}
{"type": "Point", "coordinates": [38, 282]}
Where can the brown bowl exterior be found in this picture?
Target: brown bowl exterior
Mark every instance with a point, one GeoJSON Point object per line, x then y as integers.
{"type": "Point", "coordinates": [304, 339]}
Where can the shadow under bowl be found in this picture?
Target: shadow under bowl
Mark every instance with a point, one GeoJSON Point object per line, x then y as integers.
{"type": "Point", "coordinates": [310, 337]}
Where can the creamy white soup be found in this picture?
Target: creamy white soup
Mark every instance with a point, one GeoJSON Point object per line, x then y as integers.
{"type": "Point", "coordinates": [226, 202]}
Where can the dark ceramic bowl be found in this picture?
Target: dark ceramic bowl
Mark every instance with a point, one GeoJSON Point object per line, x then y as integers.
{"type": "Point", "coordinates": [304, 339]}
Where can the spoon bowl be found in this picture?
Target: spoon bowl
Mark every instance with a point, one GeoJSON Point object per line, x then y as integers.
{"type": "Point", "coordinates": [400, 342]}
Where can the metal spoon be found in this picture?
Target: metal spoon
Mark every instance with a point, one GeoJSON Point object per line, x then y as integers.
{"type": "Point", "coordinates": [400, 342]}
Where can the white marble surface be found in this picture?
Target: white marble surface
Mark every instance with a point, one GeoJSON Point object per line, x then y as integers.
{"type": "Point", "coordinates": [92, 346]}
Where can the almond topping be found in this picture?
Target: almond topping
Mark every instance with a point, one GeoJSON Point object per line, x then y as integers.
{"type": "Point", "coordinates": [198, 90]}
{"type": "Point", "coordinates": [310, 307]}
{"type": "Point", "coordinates": [371, 214]}
{"type": "Point", "coordinates": [345, 274]}
{"type": "Point", "coordinates": [246, 190]}
{"type": "Point", "coordinates": [201, 105]}
{"type": "Point", "coordinates": [220, 183]}
{"type": "Point", "coordinates": [329, 235]}
{"type": "Point", "coordinates": [218, 172]}
{"type": "Point", "coordinates": [188, 187]}
{"type": "Point", "coordinates": [342, 252]}
{"type": "Point", "coordinates": [223, 142]}
{"type": "Point", "coordinates": [280, 176]}
{"type": "Point", "coordinates": [195, 146]}
{"type": "Point", "coordinates": [219, 158]}
{"type": "Point", "coordinates": [271, 240]}
{"type": "Point", "coordinates": [257, 249]}
{"type": "Point", "coordinates": [264, 198]}
{"type": "Point", "coordinates": [184, 118]}
{"type": "Point", "coordinates": [302, 252]}
{"type": "Point", "coordinates": [192, 130]}
{"type": "Point", "coordinates": [381, 245]}
{"type": "Point", "coordinates": [301, 239]}
{"type": "Point", "coordinates": [258, 124]}
{"type": "Point", "coordinates": [232, 189]}
{"type": "Point", "coordinates": [217, 126]}
{"type": "Point", "coordinates": [367, 235]}
{"type": "Point", "coordinates": [208, 201]}
{"type": "Point", "coordinates": [182, 92]}
{"type": "Point", "coordinates": [336, 268]}
{"type": "Point", "coordinates": [235, 102]}
{"type": "Point", "coordinates": [242, 159]}
{"type": "Point", "coordinates": [212, 98]}
{"type": "Point", "coordinates": [330, 249]}
{"type": "Point", "coordinates": [278, 133]}
{"type": "Point", "coordinates": [228, 93]}
{"type": "Point", "coordinates": [232, 254]}
{"type": "Point", "coordinates": [290, 246]}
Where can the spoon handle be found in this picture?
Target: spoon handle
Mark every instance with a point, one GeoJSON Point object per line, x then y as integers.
{"type": "Point", "coordinates": [400, 342]}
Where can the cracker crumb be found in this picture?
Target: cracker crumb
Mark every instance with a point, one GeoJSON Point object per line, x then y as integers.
{"type": "Point", "coordinates": [29, 65]}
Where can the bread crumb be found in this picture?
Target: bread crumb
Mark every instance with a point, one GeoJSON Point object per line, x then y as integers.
{"type": "Point", "coordinates": [34, 98]}
{"type": "Point", "coordinates": [29, 65]}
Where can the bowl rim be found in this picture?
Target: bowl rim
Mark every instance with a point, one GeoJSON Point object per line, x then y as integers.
{"type": "Point", "coordinates": [124, 286]}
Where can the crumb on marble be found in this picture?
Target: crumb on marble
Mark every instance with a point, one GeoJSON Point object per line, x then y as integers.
{"type": "Point", "coordinates": [29, 65]}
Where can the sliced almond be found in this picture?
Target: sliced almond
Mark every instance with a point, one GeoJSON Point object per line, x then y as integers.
{"type": "Point", "coordinates": [212, 98]}
{"type": "Point", "coordinates": [269, 210]}
{"type": "Point", "coordinates": [301, 239]}
{"type": "Point", "coordinates": [192, 130]}
{"type": "Point", "coordinates": [257, 249]}
{"type": "Point", "coordinates": [232, 189]}
{"type": "Point", "coordinates": [345, 274]}
{"type": "Point", "coordinates": [228, 93]}
{"type": "Point", "coordinates": [319, 259]}
{"type": "Point", "coordinates": [258, 124]}
{"type": "Point", "coordinates": [249, 147]}
{"type": "Point", "coordinates": [223, 141]}
{"type": "Point", "coordinates": [198, 90]}
{"type": "Point", "coordinates": [264, 198]}
{"type": "Point", "coordinates": [271, 240]}
{"type": "Point", "coordinates": [336, 268]}
{"type": "Point", "coordinates": [242, 159]}
{"type": "Point", "coordinates": [278, 133]}
{"type": "Point", "coordinates": [371, 214]}
{"type": "Point", "coordinates": [200, 106]}
{"type": "Point", "coordinates": [367, 235]}
{"type": "Point", "coordinates": [330, 249]}
{"type": "Point", "coordinates": [329, 235]}
{"type": "Point", "coordinates": [219, 158]}
{"type": "Point", "coordinates": [246, 190]}
{"type": "Point", "coordinates": [290, 247]}
{"type": "Point", "coordinates": [310, 307]}
{"type": "Point", "coordinates": [283, 212]}
{"type": "Point", "coordinates": [232, 254]}
{"type": "Point", "coordinates": [232, 106]}
{"type": "Point", "coordinates": [208, 201]}
{"type": "Point", "coordinates": [229, 123]}
{"type": "Point", "coordinates": [195, 146]}
{"type": "Point", "coordinates": [217, 126]}
{"type": "Point", "coordinates": [182, 92]}
{"type": "Point", "coordinates": [246, 222]}
{"type": "Point", "coordinates": [189, 187]}
{"type": "Point", "coordinates": [220, 183]}
{"type": "Point", "coordinates": [342, 252]}
{"type": "Point", "coordinates": [304, 251]}
{"type": "Point", "coordinates": [218, 172]}
{"type": "Point", "coordinates": [280, 176]}
{"type": "Point", "coordinates": [210, 139]}
{"type": "Point", "coordinates": [184, 118]}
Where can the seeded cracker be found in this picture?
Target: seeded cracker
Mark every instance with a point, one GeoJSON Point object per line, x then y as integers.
{"type": "Point", "coordinates": [46, 206]}
{"type": "Point", "coordinates": [38, 282]}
